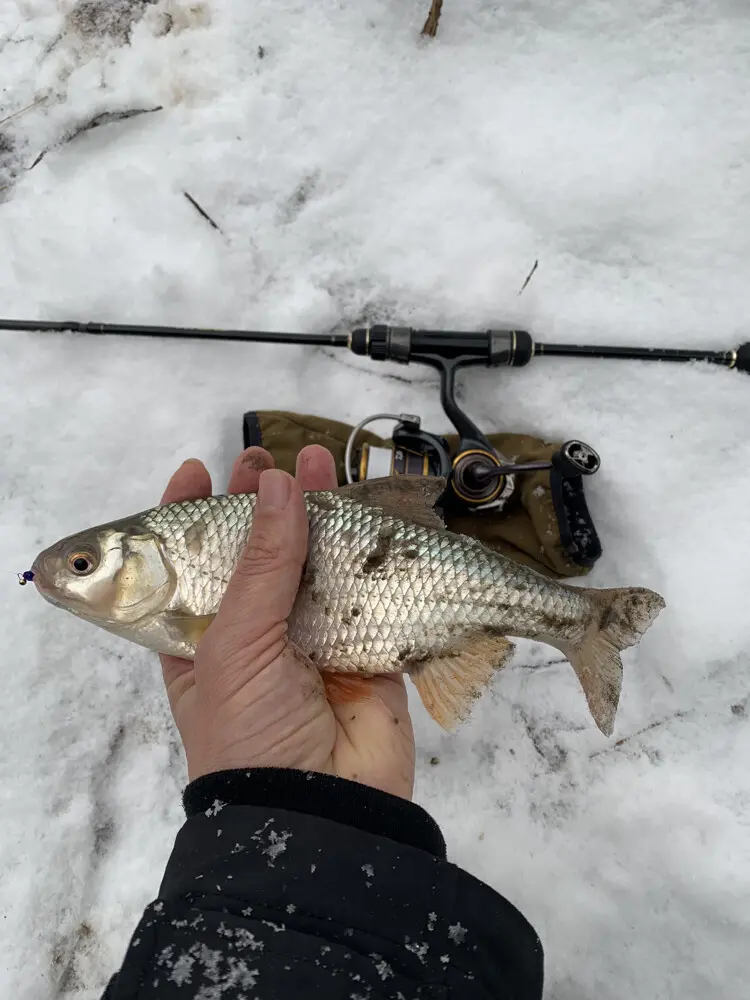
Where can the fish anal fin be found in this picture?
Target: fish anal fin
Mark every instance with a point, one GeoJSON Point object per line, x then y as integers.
{"type": "Point", "coordinates": [451, 681]}
{"type": "Point", "coordinates": [409, 498]}
{"type": "Point", "coordinates": [191, 627]}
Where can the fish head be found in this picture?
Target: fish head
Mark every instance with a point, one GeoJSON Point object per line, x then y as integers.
{"type": "Point", "coordinates": [116, 575]}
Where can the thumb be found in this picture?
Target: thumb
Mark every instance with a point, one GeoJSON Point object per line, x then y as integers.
{"type": "Point", "coordinates": [261, 592]}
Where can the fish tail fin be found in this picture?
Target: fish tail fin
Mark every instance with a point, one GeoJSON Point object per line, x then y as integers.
{"type": "Point", "coordinates": [620, 618]}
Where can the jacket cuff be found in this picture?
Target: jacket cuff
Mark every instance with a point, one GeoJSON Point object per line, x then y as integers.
{"type": "Point", "coordinates": [322, 795]}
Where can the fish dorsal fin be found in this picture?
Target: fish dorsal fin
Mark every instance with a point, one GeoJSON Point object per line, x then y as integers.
{"type": "Point", "coordinates": [409, 498]}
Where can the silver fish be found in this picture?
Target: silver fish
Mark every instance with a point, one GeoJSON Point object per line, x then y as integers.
{"type": "Point", "coordinates": [386, 588]}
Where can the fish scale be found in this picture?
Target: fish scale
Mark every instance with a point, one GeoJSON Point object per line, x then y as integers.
{"type": "Point", "coordinates": [203, 570]}
{"type": "Point", "coordinates": [385, 589]}
{"type": "Point", "coordinates": [452, 588]}
{"type": "Point", "coordinates": [430, 591]}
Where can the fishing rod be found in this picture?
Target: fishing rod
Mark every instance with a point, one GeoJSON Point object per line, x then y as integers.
{"type": "Point", "coordinates": [479, 478]}
{"type": "Point", "coordinates": [515, 348]}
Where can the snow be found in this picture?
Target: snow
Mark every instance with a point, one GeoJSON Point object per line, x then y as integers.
{"type": "Point", "coordinates": [358, 173]}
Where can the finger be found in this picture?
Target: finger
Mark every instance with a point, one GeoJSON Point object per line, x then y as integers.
{"type": "Point", "coordinates": [247, 469]}
{"type": "Point", "coordinates": [190, 482]}
{"type": "Point", "coordinates": [261, 592]}
{"type": "Point", "coordinates": [316, 468]}
{"type": "Point", "coordinates": [379, 734]}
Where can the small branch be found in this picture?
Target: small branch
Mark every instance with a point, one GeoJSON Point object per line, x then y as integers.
{"type": "Point", "coordinates": [431, 24]}
{"type": "Point", "coordinates": [529, 276]}
{"type": "Point", "coordinates": [540, 666]}
{"type": "Point", "coordinates": [202, 211]}
{"type": "Point", "coordinates": [105, 118]}
{"type": "Point", "coordinates": [108, 117]}
{"type": "Point", "coordinates": [22, 111]}
{"type": "Point", "coordinates": [640, 732]}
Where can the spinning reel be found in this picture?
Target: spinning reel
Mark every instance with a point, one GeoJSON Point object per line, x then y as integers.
{"type": "Point", "coordinates": [479, 478]}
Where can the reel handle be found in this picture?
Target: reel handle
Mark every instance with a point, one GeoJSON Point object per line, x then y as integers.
{"type": "Point", "coordinates": [572, 460]}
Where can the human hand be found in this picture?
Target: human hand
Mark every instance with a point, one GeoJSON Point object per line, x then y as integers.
{"type": "Point", "coordinates": [250, 699]}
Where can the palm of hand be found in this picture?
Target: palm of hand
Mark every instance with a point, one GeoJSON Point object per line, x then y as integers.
{"type": "Point", "coordinates": [260, 703]}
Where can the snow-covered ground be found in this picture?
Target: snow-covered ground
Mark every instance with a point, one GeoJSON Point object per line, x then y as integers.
{"type": "Point", "coordinates": [357, 171]}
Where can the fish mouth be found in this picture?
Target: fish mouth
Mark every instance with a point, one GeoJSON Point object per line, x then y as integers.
{"type": "Point", "coordinates": [44, 587]}
{"type": "Point", "coordinates": [47, 590]}
{"type": "Point", "coordinates": [41, 582]}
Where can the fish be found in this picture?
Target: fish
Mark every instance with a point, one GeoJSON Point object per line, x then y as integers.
{"type": "Point", "coordinates": [386, 588]}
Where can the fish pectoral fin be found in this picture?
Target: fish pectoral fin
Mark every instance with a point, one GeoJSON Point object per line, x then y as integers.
{"type": "Point", "coordinates": [191, 627]}
{"type": "Point", "coordinates": [409, 498]}
{"type": "Point", "coordinates": [451, 681]}
{"type": "Point", "coordinates": [341, 689]}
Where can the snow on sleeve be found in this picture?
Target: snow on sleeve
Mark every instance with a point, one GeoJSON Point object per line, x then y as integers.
{"type": "Point", "coordinates": [214, 973]}
{"type": "Point", "coordinates": [273, 843]}
{"type": "Point", "coordinates": [457, 933]}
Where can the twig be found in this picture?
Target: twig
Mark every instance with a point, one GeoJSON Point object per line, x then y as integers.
{"type": "Point", "coordinates": [108, 117]}
{"type": "Point", "coordinates": [202, 211]}
{"type": "Point", "coordinates": [22, 111]}
{"type": "Point", "coordinates": [105, 118]}
{"type": "Point", "coordinates": [640, 732]}
{"type": "Point", "coordinates": [431, 24]}
{"type": "Point", "coordinates": [529, 276]}
{"type": "Point", "coordinates": [541, 666]}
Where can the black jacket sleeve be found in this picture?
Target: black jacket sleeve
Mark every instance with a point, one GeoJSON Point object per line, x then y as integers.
{"type": "Point", "coordinates": [286, 884]}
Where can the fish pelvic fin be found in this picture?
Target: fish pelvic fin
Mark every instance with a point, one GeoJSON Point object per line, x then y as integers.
{"type": "Point", "coordinates": [621, 616]}
{"type": "Point", "coordinates": [341, 689]}
{"type": "Point", "coordinates": [450, 682]}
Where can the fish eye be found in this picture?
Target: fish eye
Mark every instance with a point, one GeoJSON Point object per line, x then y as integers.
{"type": "Point", "coordinates": [81, 563]}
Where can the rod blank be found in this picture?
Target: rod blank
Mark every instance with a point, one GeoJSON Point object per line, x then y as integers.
{"type": "Point", "coordinates": [180, 332]}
